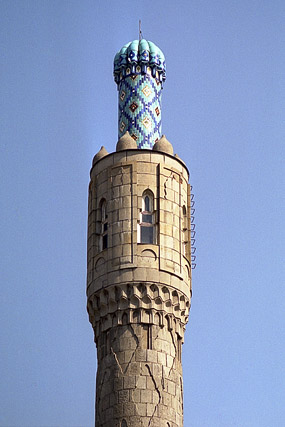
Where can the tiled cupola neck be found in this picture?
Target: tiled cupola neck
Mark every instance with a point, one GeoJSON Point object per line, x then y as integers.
{"type": "Point", "coordinates": [139, 71]}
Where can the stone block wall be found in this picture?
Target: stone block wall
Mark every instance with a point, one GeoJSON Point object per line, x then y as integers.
{"type": "Point", "coordinates": [139, 294]}
{"type": "Point", "coordinates": [139, 385]}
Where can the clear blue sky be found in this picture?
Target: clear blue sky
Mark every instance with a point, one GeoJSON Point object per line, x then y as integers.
{"type": "Point", "coordinates": [223, 102]}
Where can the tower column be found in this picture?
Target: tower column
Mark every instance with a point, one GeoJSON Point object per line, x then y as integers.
{"type": "Point", "coordinates": [139, 261]}
{"type": "Point", "coordinates": [139, 285]}
{"type": "Point", "coordinates": [136, 384]}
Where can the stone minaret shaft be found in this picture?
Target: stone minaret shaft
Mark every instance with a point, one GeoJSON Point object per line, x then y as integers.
{"type": "Point", "coordinates": [139, 282]}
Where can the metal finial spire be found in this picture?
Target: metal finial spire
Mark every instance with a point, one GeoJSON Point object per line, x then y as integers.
{"type": "Point", "coordinates": [140, 30]}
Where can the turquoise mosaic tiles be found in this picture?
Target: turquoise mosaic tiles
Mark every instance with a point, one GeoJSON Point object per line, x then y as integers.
{"type": "Point", "coordinates": [139, 71]}
{"type": "Point", "coordinates": [140, 109]}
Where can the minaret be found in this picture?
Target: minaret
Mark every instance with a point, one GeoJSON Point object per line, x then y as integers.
{"type": "Point", "coordinates": [139, 255]}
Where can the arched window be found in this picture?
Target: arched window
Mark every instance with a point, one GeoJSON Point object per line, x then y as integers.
{"type": "Point", "coordinates": [146, 232]}
{"type": "Point", "coordinates": [104, 226]}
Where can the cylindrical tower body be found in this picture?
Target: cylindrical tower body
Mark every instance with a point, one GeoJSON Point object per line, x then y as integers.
{"type": "Point", "coordinates": [139, 285]}
{"type": "Point", "coordinates": [139, 71]}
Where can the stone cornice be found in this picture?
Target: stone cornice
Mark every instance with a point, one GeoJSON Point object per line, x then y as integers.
{"type": "Point", "coordinates": [137, 302]}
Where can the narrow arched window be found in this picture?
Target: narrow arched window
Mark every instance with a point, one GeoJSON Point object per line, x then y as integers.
{"type": "Point", "coordinates": [104, 225]}
{"type": "Point", "coordinates": [184, 230]}
{"type": "Point", "coordinates": [147, 219]}
{"type": "Point", "coordinates": [179, 348]}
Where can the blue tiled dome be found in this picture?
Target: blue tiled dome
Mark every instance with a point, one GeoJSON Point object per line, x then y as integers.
{"type": "Point", "coordinates": [139, 57]}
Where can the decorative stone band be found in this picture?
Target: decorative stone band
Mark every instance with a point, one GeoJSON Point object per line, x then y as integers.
{"type": "Point", "coordinates": [140, 109]}
{"type": "Point", "coordinates": [142, 303]}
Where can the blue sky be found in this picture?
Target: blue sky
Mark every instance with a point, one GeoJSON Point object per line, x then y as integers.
{"type": "Point", "coordinates": [222, 106]}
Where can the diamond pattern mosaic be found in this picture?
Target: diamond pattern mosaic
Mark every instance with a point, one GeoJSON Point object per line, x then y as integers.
{"type": "Point", "coordinates": [122, 95]}
{"type": "Point", "coordinates": [133, 107]}
{"type": "Point", "coordinates": [122, 127]}
{"type": "Point", "coordinates": [139, 109]}
{"type": "Point", "coordinates": [139, 71]}
{"type": "Point", "coordinates": [146, 91]}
